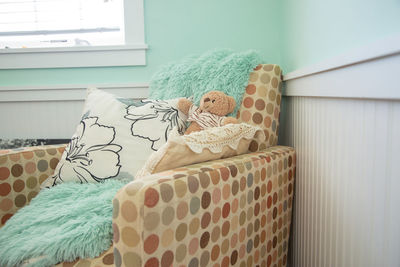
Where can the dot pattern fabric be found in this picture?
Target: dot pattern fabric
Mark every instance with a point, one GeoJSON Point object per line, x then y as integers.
{"type": "Point", "coordinates": [235, 211]}
{"type": "Point", "coordinates": [261, 103]}
{"type": "Point", "coordinates": [229, 212]}
{"type": "Point", "coordinates": [21, 173]}
{"type": "Point", "coordinates": [105, 259]}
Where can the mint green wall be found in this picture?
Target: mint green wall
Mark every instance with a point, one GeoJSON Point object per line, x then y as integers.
{"type": "Point", "coordinates": [315, 30]}
{"type": "Point", "coordinates": [175, 29]}
{"type": "Point", "coordinates": [291, 33]}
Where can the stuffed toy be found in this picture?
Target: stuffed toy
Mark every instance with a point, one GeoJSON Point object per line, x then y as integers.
{"type": "Point", "coordinates": [214, 106]}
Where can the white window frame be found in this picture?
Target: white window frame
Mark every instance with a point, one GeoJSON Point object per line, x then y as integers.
{"type": "Point", "coordinates": [132, 53]}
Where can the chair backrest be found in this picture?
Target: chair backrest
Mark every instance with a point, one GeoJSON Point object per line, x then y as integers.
{"type": "Point", "coordinates": [261, 103]}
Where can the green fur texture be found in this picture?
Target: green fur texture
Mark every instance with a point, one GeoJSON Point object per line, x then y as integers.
{"type": "Point", "coordinates": [217, 70]}
{"type": "Point", "coordinates": [63, 223]}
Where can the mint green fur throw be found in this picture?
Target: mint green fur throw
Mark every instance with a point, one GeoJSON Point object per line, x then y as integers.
{"type": "Point", "coordinates": [63, 223]}
{"type": "Point", "coordinates": [220, 70]}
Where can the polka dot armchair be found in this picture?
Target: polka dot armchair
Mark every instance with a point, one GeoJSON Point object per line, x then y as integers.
{"type": "Point", "coordinates": [229, 212]}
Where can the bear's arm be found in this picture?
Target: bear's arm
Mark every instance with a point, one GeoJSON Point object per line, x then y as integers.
{"type": "Point", "coordinates": [229, 120]}
{"type": "Point", "coordinates": [184, 105]}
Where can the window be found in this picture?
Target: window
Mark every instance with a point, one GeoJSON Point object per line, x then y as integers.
{"type": "Point", "coordinates": [59, 23]}
{"type": "Point", "coordinates": [71, 33]}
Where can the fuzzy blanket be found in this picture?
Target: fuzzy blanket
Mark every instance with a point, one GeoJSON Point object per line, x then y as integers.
{"type": "Point", "coordinates": [63, 223]}
{"type": "Point", "coordinates": [220, 70]}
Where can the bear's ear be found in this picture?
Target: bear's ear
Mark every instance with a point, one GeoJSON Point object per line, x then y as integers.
{"type": "Point", "coordinates": [232, 104]}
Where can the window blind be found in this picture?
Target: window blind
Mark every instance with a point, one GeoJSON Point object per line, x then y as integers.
{"type": "Point", "coordinates": [44, 21]}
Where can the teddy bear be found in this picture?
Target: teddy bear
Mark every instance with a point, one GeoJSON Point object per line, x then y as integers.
{"type": "Point", "coordinates": [214, 105]}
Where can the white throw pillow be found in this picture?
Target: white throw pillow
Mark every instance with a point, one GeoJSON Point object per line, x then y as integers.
{"type": "Point", "coordinates": [115, 137]}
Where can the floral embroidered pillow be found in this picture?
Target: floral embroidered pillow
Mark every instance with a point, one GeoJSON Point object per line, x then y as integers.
{"type": "Point", "coordinates": [115, 137]}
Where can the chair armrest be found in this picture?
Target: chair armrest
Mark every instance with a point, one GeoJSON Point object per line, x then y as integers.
{"type": "Point", "coordinates": [22, 171]}
{"type": "Point", "coordinates": [230, 211]}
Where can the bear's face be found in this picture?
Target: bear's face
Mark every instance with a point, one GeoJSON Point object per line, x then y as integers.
{"type": "Point", "coordinates": [217, 103]}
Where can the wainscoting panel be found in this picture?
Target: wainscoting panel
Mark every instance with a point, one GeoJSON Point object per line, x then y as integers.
{"type": "Point", "coordinates": [347, 201]}
{"type": "Point", "coordinates": [52, 111]}
{"type": "Point", "coordinates": [347, 140]}
{"type": "Point", "coordinates": [39, 119]}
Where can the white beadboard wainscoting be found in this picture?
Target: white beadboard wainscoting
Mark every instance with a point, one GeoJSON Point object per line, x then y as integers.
{"type": "Point", "coordinates": [51, 112]}
{"type": "Point", "coordinates": [344, 122]}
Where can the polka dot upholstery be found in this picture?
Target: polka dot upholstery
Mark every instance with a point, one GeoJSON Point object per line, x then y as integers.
{"type": "Point", "coordinates": [21, 173]}
{"type": "Point", "coordinates": [105, 259]}
{"type": "Point", "coordinates": [234, 211]}
{"type": "Point", "coordinates": [261, 103]}
{"type": "Point", "coordinates": [230, 212]}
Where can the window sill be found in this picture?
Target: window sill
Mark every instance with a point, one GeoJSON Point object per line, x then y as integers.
{"type": "Point", "coordinates": [71, 57]}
